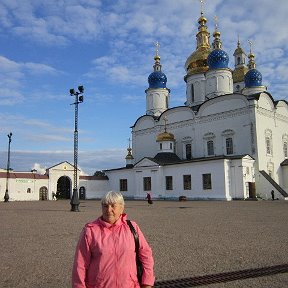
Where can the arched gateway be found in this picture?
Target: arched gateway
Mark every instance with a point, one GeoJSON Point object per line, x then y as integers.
{"type": "Point", "coordinates": [64, 188]}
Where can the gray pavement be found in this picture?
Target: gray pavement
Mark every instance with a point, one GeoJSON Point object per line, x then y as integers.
{"type": "Point", "coordinates": [189, 239]}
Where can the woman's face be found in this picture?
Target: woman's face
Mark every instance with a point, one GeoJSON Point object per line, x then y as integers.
{"type": "Point", "coordinates": [112, 212]}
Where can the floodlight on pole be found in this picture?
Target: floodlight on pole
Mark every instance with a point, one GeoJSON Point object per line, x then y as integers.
{"type": "Point", "coordinates": [78, 99]}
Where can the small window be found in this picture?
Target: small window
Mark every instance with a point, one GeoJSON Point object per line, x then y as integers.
{"type": "Point", "coordinates": [28, 190]}
{"type": "Point", "coordinates": [192, 93]}
{"type": "Point", "coordinates": [285, 149]}
{"type": "Point", "coordinates": [187, 182]}
{"type": "Point", "coordinates": [147, 183]}
{"type": "Point", "coordinates": [169, 183]}
{"type": "Point", "coordinates": [207, 183]}
{"type": "Point", "coordinates": [171, 146]}
{"type": "Point", "coordinates": [238, 60]}
{"type": "Point", "coordinates": [229, 146]}
{"type": "Point", "coordinates": [210, 147]}
{"type": "Point", "coordinates": [123, 185]}
{"type": "Point", "coordinates": [160, 146]}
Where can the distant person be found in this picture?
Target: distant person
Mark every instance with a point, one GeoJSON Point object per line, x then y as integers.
{"type": "Point", "coordinates": [272, 195]}
{"type": "Point", "coordinates": [149, 198]}
{"type": "Point", "coordinates": [105, 254]}
{"type": "Point", "coordinates": [54, 196]}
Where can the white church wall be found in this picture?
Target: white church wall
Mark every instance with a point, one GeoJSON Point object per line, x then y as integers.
{"type": "Point", "coordinates": [273, 127]}
{"type": "Point", "coordinates": [239, 172]}
{"type": "Point", "coordinates": [238, 123]}
{"type": "Point", "coordinates": [144, 122]}
{"type": "Point", "coordinates": [144, 144]}
{"type": "Point", "coordinates": [156, 101]}
{"type": "Point", "coordinates": [114, 181]}
{"type": "Point", "coordinates": [196, 170]}
{"type": "Point", "coordinates": [282, 109]}
{"type": "Point", "coordinates": [264, 188]}
{"type": "Point", "coordinates": [219, 82]}
{"type": "Point", "coordinates": [223, 104]}
{"type": "Point", "coordinates": [95, 189]}
{"type": "Point", "coordinates": [197, 83]}
{"type": "Point", "coordinates": [23, 189]}
{"type": "Point", "coordinates": [177, 114]}
{"type": "Point", "coordinates": [285, 177]}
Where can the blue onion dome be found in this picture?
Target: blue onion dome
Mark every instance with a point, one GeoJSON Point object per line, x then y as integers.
{"type": "Point", "coordinates": [218, 59]}
{"type": "Point", "coordinates": [157, 79]}
{"type": "Point", "coordinates": [253, 78]}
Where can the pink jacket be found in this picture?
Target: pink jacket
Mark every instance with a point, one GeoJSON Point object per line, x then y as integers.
{"type": "Point", "coordinates": [105, 256]}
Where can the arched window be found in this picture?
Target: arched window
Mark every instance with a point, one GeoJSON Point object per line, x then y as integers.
{"type": "Point", "coordinates": [209, 139]}
{"type": "Point", "coordinates": [229, 146]}
{"type": "Point", "coordinates": [210, 147]}
{"type": "Point", "coordinates": [228, 142]}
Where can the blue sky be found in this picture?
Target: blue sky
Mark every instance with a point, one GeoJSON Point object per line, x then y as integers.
{"type": "Point", "coordinates": [48, 47]}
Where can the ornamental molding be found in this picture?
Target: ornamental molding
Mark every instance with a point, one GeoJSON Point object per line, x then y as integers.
{"type": "Point", "coordinates": [197, 120]}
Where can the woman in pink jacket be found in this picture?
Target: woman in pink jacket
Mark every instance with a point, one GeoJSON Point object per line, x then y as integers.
{"type": "Point", "coordinates": [105, 255]}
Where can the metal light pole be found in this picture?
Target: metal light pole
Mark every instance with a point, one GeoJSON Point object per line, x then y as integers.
{"type": "Point", "coordinates": [6, 196]}
{"type": "Point", "coordinates": [78, 99]}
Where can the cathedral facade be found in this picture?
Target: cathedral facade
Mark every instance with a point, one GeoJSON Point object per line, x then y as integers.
{"type": "Point", "coordinates": [228, 141]}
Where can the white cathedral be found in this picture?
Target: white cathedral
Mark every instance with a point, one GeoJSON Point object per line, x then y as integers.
{"type": "Point", "coordinates": [228, 141]}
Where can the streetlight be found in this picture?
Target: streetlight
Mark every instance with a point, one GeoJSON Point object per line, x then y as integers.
{"type": "Point", "coordinates": [78, 99]}
{"type": "Point", "coordinates": [6, 196]}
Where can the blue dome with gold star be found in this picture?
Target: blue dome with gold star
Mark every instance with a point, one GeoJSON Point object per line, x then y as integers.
{"type": "Point", "coordinates": [253, 78]}
{"type": "Point", "coordinates": [218, 59]}
{"type": "Point", "coordinates": [157, 79]}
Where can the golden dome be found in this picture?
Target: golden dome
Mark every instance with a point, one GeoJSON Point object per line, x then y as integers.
{"type": "Point", "coordinates": [165, 136]}
{"type": "Point", "coordinates": [129, 154]}
{"type": "Point", "coordinates": [197, 61]}
{"type": "Point", "coordinates": [239, 73]}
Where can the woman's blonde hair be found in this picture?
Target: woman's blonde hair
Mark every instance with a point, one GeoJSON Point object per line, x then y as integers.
{"type": "Point", "coordinates": [113, 197]}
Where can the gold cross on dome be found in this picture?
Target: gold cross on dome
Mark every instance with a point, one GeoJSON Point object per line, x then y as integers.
{"type": "Point", "coordinates": [157, 45]}
{"type": "Point", "coordinates": [216, 22]}
{"type": "Point", "coordinates": [250, 44]}
{"type": "Point", "coordinates": [165, 120]}
{"type": "Point", "coordinates": [202, 3]}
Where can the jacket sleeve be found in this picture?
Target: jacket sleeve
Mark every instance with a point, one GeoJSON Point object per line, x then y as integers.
{"type": "Point", "coordinates": [81, 259]}
{"type": "Point", "coordinates": [146, 257]}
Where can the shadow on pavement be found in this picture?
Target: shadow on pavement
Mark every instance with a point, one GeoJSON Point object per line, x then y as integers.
{"type": "Point", "coordinates": [222, 277]}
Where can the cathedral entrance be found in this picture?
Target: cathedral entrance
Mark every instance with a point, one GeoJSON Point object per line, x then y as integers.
{"type": "Point", "coordinates": [63, 188]}
{"type": "Point", "coordinates": [43, 193]}
{"type": "Point", "coordinates": [252, 190]}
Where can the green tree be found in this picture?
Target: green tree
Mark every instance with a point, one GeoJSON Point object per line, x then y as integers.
{"type": "Point", "coordinates": [99, 173]}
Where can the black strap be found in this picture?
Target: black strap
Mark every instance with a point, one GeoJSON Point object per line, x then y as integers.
{"type": "Point", "coordinates": [136, 237]}
{"type": "Point", "coordinates": [138, 262]}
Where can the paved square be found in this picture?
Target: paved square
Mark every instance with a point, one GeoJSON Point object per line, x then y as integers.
{"type": "Point", "coordinates": [189, 239]}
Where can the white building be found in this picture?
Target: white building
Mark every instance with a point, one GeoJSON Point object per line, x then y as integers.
{"type": "Point", "coordinates": [228, 141]}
